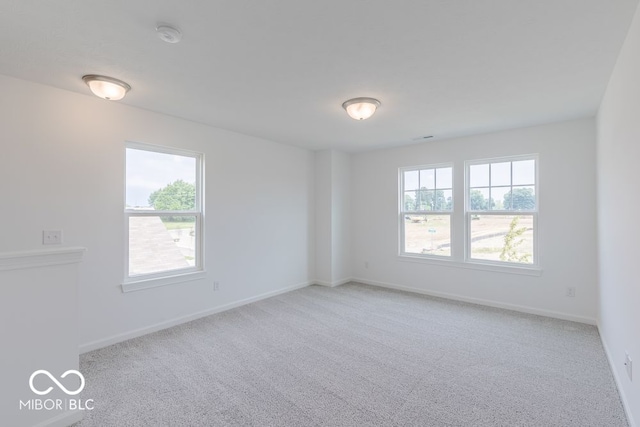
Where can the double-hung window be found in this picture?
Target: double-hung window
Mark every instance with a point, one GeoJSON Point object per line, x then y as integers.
{"type": "Point", "coordinates": [426, 205]}
{"type": "Point", "coordinates": [163, 214]}
{"type": "Point", "coordinates": [501, 211]}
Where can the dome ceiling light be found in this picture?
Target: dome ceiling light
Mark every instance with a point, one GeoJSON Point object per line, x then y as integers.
{"type": "Point", "coordinates": [361, 108]}
{"type": "Point", "coordinates": [106, 87]}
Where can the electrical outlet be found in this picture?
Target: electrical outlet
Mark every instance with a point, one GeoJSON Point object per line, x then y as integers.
{"type": "Point", "coordinates": [366, 264]}
{"type": "Point", "coordinates": [570, 292]}
{"type": "Point", "coordinates": [52, 237]}
{"type": "Point", "coordinates": [216, 286]}
{"type": "Point", "coordinates": [628, 365]}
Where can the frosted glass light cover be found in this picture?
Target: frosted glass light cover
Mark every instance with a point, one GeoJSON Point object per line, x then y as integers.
{"type": "Point", "coordinates": [361, 108]}
{"type": "Point", "coordinates": [107, 87]}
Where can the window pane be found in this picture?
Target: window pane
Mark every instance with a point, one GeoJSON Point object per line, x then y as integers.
{"type": "Point", "coordinates": [499, 199]}
{"type": "Point", "coordinates": [444, 200]}
{"type": "Point", "coordinates": [524, 172]}
{"type": "Point", "coordinates": [501, 173]}
{"type": "Point", "coordinates": [427, 200]}
{"type": "Point", "coordinates": [444, 178]}
{"type": "Point", "coordinates": [159, 244]}
{"type": "Point", "coordinates": [507, 238]}
{"type": "Point", "coordinates": [427, 234]}
{"type": "Point", "coordinates": [524, 198]}
{"type": "Point", "coordinates": [479, 175]}
{"type": "Point", "coordinates": [410, 201]}
{"type": "Point", "coordinates": [427, 179]}
{"type": "Point", "coordinates": [160, 181]}
{"type": "Point", "coordinates": [411, 180]}
{"type": "Point", "coordinates": [479, 199]}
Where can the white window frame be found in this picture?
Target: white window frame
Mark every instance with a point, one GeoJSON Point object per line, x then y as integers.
{"type": "Point", "coordinates": [402, 212]}
{"type": "Point", "coordinates": [168, 277]}
{"type": "Point", "coordinates": [468, 212]}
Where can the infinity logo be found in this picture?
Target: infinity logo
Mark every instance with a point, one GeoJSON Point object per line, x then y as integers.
{"type": "Point", "coordinates": [47, 373]}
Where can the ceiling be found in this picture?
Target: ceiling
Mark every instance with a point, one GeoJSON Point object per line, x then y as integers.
{"type": "Point", "coordinates": [281, 69]}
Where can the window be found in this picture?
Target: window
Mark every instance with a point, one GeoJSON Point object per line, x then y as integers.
{"type": "Point", "coordinates": [163, 213]}
{"type": "Point", "coordinates": [426, 204]}
{"type": "Point", "coordinates": [496, 230]}
{"type": "Point", "coordinates": [501, 211]}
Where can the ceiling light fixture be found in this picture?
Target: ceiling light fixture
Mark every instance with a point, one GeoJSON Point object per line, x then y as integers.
{"type": "Point", "coordinates": [361, 108]}
{"type": "Point", "coordinates": [106, 87]}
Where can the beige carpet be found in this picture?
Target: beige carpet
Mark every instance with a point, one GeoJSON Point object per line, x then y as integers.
{"type": "Point", "coordinates": [356, 356]}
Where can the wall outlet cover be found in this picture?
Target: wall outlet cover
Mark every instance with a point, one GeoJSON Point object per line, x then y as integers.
{"type": "Point", "coordinates": [628, 364]}
{"type": "Point", "coordinates": [52, 237]}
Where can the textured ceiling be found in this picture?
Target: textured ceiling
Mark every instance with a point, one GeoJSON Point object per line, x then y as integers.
{"type": "Point", "coordinates": [281, 69]}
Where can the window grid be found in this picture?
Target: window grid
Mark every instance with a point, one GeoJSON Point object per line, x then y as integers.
{"type": "Point", "coordinates": [425, 222]}
{"type": "Point", "coordinates": [502, 233]}
{"type": "Point", "coordinates": [515, 228]}
{"type": "Point", "coordinates": [423, 190]}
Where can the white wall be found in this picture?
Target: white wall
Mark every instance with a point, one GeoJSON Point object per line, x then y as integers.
{"type": "Point", "coordinates": [323, 217]}
{"type": "Point", "coordinates": [333, 217]}
{"type": "Point", "coordinates": [341, 216]}
{"type": "Point", "coordinates": [62, 167]}
{"type": "Point", "coordinates": [618, 221]}
{"type": "Point", "coordinates": [566, 224]}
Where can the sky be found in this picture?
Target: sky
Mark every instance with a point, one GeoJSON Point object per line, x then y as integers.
{"type": "Point", "coordinates": [148, 171]}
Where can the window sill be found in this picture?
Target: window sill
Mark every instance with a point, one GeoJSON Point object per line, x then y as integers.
{"type": "Point", "coordinates": [140, 284]}
{"type": "Point", "coordinates": [473, 265]}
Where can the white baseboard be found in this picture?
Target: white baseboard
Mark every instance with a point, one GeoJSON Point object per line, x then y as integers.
{"type": "Point", "coordinates": [490, 303]}
{"type": "Point", "coordinates": [94, 345]}
{"type": "Point", "coordinates": [616, 377]}
{"type": "Point", "coordinates": [332, 284]}
{"type": "Point", "coordinates": [62, 420]}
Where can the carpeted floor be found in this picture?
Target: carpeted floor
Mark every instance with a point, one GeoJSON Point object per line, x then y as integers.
{"type": "Point", "coordinates": [356, 356]}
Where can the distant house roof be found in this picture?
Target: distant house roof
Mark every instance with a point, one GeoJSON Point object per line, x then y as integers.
{"type": "Point", "coordinates": [152, 248]}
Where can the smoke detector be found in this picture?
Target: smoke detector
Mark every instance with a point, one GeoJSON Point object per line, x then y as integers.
{"type": "Point", "coordinates": [168, 33]}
